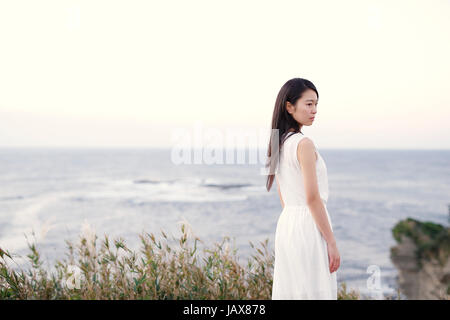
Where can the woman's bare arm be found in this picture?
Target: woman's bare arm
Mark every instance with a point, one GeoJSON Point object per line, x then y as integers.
{"type": "Point", "coordinates": [306, 155]}
{"type": "Point", "coordinates": [279, 193]}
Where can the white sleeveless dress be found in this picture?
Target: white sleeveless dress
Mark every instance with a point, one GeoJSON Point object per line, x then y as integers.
{"type": "Point", "coordinates": [301, 269]}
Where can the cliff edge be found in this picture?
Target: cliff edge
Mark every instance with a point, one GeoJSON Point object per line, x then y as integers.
{"type": "Point", "coordinates": [422, 259]}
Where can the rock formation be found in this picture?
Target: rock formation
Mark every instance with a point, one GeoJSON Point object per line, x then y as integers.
{"type": "Point", "coordinates": [422, 259]}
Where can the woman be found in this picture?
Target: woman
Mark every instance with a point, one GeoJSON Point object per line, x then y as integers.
{"type": "Point", "coordinates": [306, 254]}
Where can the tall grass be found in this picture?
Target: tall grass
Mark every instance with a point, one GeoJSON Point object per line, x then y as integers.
{"type": "Point", "coordinates": [110, 270]}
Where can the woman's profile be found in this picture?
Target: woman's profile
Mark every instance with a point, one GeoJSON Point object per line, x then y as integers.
{"type": "Point", "coordinates": [306, 254]}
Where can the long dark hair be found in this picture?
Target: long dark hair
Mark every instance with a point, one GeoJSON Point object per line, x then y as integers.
{"type": "Point", "coordinates": [291, 91]}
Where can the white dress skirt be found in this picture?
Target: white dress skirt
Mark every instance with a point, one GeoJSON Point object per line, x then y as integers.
{"type": "Point", "coordinates": [301, 269]}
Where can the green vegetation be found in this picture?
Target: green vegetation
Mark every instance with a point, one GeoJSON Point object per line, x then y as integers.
{"type": "Point", "coordinates": [432, 240]}
{"type": "Point", "coordinates": [158, 271]}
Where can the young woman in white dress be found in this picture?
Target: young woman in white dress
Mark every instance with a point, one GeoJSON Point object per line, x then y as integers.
{"type": "Point", "coordinates": [306, 253]}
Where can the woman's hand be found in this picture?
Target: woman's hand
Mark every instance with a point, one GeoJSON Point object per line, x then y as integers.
{"type": "Point", "coordinates": [334, 258]}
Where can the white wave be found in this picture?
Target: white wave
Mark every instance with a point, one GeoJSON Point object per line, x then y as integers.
{"type": "Point", "coordinates": [26, 220]}
{"type": "Point", "coordinates": [182, 190]}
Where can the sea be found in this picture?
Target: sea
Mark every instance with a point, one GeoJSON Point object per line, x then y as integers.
{"type": "Point", "coordinates": [122, 192]}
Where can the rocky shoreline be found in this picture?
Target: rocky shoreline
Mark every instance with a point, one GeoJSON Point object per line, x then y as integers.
{"type": "Point", "coordinates": [422, 257]}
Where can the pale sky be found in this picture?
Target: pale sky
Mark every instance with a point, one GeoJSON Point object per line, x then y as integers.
{"type": "Point", "coordinates": [125, 73]}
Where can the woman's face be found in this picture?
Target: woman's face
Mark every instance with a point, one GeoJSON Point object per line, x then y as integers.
{"type": "Point", "coordinates": [305, 109]}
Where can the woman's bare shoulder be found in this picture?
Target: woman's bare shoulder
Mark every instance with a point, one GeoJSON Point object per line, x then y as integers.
{"type": "Point", "coordinates": [306, 149]}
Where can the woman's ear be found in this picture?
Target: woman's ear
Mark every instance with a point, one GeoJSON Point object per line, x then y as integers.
{"type": "Point", "coordinates": [289, 107]}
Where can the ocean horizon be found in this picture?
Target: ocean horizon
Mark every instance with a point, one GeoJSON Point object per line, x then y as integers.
{"type": "Point", "coordinates": [123, 191]}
